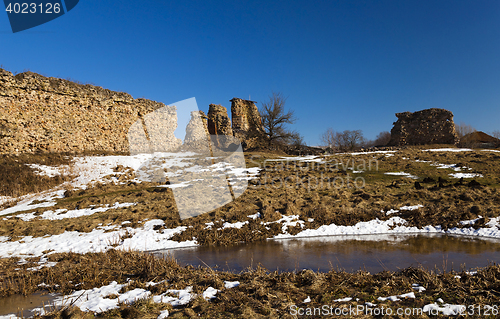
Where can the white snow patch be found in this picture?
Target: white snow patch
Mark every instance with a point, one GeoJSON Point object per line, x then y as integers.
{"type": "Point", "coordinates": [418, 288]}
{"type": "Point", "coordinates": [210, 293]}
{"type": "Point", "coordinates": [402, 174]}
{"type": "Point", "coordinates": [183, 296]}
{"type": "Point", "coordinates": [46, 199]}
{"type": "Point", "coordinates": [343, 299]}
{"type": "Point", "coordinates": [255, 216]}
{"type": "Point", "coordinates": [231, 284]}
{"type": "Point", "coordinates": [58, 214]}
{"type": "Point", "coordinates": [449, 150]}
{"type": "Point", "coordinates": [237, 225]}
{"type": "Point", "coordinates": [465, 175]}
{"type": "Point", "coordinates": [415, 207]}
{"type": "Point", "coordinates": [98, 240]}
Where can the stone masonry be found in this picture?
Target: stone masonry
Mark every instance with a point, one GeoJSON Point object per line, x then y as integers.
{"type": "Point", "coordinates": [430, 126]}
{"type": "Point", "coordinates": [41, 114]}
{"type": "Point", "coordinates": [246, 120]}
{"type": "Point", "coordinates": [219, 125]}
{"type": "Point", "coordinates": [197, 136]}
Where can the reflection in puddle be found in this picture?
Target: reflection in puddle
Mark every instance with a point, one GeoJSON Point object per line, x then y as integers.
{"type": "Point", "coordinates": [20, 305]}
{"type": "Point", "coordinates": [373, 253]}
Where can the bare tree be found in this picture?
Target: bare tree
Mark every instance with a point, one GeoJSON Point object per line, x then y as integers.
{"type": "Point", "coordinates": [343, 141]}
{"type": "Point", "coordinates": [496, 134]}
{"type": "Point", "coordinates": [329, 138]}
{"type": "Point", "coordinates": [274, 121]}
{"type": "Point", "coordinates": [383, 138]}
{"type": "Point", "coordinates": [463, 129]}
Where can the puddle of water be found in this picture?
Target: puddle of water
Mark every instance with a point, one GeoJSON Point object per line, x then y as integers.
{"type": "Point", "coordinates": [373, 253]}
{"type": "Point", "coordinates": [21, 305]}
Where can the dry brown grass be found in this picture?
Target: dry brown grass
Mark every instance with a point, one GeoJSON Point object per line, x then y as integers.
{"type": "Point", "coordinates": [261, 294]}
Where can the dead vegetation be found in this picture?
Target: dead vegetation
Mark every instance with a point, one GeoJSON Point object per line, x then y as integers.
{"type": "Point", "coordinates": [261, 294]}
{"type": "Point", "coordinates": [306, 189]}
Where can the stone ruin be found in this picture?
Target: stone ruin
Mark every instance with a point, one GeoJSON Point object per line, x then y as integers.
{"type": "Point", "coordinates": [247, 123]}
{"type": "Point", "coordinates": [219, 125]}
{"type": "Point", "coordinates": [46, 114]}
{"type": "Point", "coordinates": [430, 126]}
{"type": "Point", "coordinates": [197, 130]}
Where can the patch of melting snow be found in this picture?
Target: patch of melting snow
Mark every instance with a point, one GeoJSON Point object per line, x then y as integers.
{"type": "Point", "coordinates": [210, 293]}
{"type": "Point", "coordinates": [231, 284]}
{"type": "Point", "coordinates": [394, 225]}
{"type": "Point", "coordinates": [371, 152]}
{"type": "Point", "coordinates": [470, 222]}
{"type": "Point", "coordinates": [100, 239]}
{"type": "Point", "coordinates": [418, 288]}
{"type": "Point", "coordinates": [448, 150]}
{"type": "Point", "coordinates": [255, 216]}
{"type": "Point", "coordinates": [292, 220]}
{"type": "Point", "coordinates": [343, 299]}
{"type": "Point", "coordinates": [96, 300]}
{"type": "Point", "coordinates": [396, 298]}
{"type": "Point", "coordinates": [64, 213]}
{"type": "Point", "coordinates": [465, 175]}
{"type": "Point", "coordinates": [415, 207]}
{"type": "Point", "coordinates": [44, 262]}
{"type": "Point", "coordinates": [45, 199]}
{"type": "Point", "coordinates": [402, 174]}
{"type": "Point", "coordinates": [237, 225]}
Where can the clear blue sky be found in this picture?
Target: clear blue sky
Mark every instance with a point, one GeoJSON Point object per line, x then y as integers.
{"type": "Point", "coordinates": [343, 64]}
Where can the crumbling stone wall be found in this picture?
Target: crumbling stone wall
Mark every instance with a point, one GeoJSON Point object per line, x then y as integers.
{"type": "Point", "coordinates": [430, 126]}
{"type": "Point", "coordinates": [219, 125]}
{"type": "Point", "coordinates": [197, 135]}
{"type": "Point", "coordinates": [247, 123]}
{"type": "Point", "coordinates": [41, 114]}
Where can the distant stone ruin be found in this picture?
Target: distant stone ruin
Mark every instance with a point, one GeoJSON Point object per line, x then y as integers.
{"type": "Point", "coordinates": [430, 126]}
{"type": "Point", "coordinates": [247, 122]}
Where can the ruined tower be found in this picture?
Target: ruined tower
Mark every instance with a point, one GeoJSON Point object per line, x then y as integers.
{"type": "Point", "coordinates": [246, 120]}
{"type": "Point", "coordinates": [430, 126]}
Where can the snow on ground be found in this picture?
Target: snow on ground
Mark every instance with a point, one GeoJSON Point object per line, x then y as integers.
{"type": "Point", "coordinates": [97, 299]}
{"type": "Point", "coordinates": [64, 213]}
{"type": "Point", "coordinates": [496, 151]}
{"type": "Point", "coordinates": [371, 152]}
{"type": "Point", "coordinates": [45, 199]}
{"type": "Point", "coordinates": [465, 175]}
{"type": "Point", "coordinates": [100, 239]}
{"type": "Point", "coordinates": [394, 225]}
{"type": "Point", "coordinates": [402, 174]}
{"type": "Point", "coordinates": [448, 150]}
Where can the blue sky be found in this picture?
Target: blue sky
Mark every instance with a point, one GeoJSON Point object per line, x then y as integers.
{"type": "Point", "coordinates": [342, 64]}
